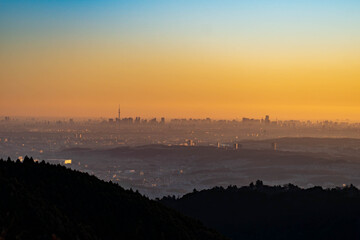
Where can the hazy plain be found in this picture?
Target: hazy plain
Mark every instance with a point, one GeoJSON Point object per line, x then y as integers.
{"type": "Point", "coordinates": [174, 158]}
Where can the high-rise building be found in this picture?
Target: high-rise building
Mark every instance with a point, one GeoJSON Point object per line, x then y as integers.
{"type": "Point", "coordinates": [267, 119]}
{"type": "Point", "coordinates": [129, 120]}
{"type": "Point", "coordinates": [118, 119]}
{"type": "Point", "coordinates": [137, 120]}
{"type": "Point", "coordinates": [119, 112]}
{"type": "Point", "coordinates": [162, 120]}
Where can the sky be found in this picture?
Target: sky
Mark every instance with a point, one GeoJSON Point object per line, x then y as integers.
{"type": "Point", "coordinates": [219, 59]}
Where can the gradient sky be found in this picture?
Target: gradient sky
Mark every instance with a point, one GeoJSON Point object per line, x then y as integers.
{"type": "Point", "coordinates": [218, 59]}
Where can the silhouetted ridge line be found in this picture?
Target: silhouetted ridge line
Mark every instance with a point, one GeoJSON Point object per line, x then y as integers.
{"type": "Point", "coordinates": [43, 201]}
{"type": "Point", "coordinates": [279, 212]}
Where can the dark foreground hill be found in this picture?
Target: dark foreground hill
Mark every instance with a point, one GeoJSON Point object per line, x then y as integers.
{"type": "Point", "coordinates": [42, 201]}
{"type": "Point", "coordinates": [263, 212]}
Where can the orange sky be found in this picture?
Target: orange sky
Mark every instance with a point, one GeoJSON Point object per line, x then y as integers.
{"type": "Point", "coordinates": [214, 74]}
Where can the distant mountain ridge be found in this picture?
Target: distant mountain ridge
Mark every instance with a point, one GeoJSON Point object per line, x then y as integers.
{"type": "Point", "coordinates": [148, 151]}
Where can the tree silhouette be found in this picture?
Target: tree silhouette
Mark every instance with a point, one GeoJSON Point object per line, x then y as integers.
{"type": "Point", "coordinates": [44, 201]}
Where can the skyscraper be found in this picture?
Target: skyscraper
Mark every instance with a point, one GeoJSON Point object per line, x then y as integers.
{"type": "Point", "coordinates": [119, 112]}
{"type": "Point", "coordinates": [267, 119]}
{"type": "Point", "coordinates": [118, 118]}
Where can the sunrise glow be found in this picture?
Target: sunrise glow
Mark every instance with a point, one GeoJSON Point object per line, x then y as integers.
{"type": "Point", "coordinates": [218, 59]}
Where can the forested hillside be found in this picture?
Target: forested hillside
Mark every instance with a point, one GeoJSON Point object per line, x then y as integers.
{"type": "Point", "coordinates": [43, 201]}
{"type": "Point", "coordinates": [280, 212]}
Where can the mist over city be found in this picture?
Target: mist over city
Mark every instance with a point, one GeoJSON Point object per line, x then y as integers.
{"type": "Point", "coordinates": [160, 157]}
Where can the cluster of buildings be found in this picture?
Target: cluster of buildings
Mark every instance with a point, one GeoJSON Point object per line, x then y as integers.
{"type": "Point", "coordinates": [265, 120]}
{"type": "Point", "coordinates": [137, 120]}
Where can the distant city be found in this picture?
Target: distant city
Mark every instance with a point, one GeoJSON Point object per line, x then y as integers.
{"type": "Point", "coordinates": [138, 120]}
{"type": "Point", "coordinates": [42, 137]}
{"type": "Point", "coordinates": [171, 156]}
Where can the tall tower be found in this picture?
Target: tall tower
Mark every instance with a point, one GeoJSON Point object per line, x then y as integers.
{"type": "Point", "coordinates": [119, 113]}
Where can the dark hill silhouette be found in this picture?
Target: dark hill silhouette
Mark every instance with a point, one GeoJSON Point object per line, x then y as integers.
{"type": "Point", "coordinates": [280, 212]}
{"type": "Point", "coordinates": [43, 201]}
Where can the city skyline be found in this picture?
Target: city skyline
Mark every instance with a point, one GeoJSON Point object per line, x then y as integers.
{"type": "Point", "coordinates": [158, 118]}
